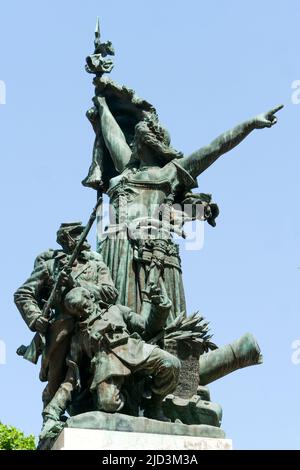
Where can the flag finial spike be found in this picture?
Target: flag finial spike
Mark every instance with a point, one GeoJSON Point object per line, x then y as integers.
{"type": "Point", "coordinates": [97, 28]}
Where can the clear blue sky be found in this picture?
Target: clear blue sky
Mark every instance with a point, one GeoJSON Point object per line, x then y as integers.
{"type": "Point", "coordinates": [206, 66]}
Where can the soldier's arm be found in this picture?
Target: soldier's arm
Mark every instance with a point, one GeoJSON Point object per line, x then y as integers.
{"type": "Point", "coordinates": [157, 318]}
{"type": "Point", "coordinates": [28, 296]}
{"type": "Point", "coordinates": [146, 327]}
{"type": "Point", "coordinates": [149, 326]}
{"type": "Point", "coordinates": [105, 289]}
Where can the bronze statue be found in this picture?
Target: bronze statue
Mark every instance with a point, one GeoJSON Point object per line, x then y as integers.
{"type": "Point", "coordinates": [112, 326]}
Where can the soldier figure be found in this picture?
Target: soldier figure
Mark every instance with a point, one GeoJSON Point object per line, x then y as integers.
{"type": "Point", "coordinates": [88, 271]}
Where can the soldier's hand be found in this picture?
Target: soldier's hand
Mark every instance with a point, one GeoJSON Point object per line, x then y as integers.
{"type": "Point", "coordinates": [41, 324]}
{"type": "Point", "coordinates": [154, 294]}
{"type": "Point", "coordinates": [67, 280]}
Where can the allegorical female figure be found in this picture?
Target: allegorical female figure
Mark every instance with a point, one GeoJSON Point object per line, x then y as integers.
{"type": "Point", "coordinates": [150, 174]}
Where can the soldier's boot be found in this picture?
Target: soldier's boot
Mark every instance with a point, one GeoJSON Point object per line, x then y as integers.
{"type": "Point", "coordinates": [52, 413]}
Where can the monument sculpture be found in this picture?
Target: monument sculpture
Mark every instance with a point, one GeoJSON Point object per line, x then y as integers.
{"type": "Point", "coordinates": [111, 326]}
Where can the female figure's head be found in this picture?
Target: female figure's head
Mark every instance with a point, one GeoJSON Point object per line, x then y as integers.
{"type": "Point", "coordinates": [151, 144]}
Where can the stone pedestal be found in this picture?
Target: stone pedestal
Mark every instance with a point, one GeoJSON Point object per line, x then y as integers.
{"type": "Point", "coordinates": [105, 431]}
{"type": "Point", "coordinates": [91, 439]}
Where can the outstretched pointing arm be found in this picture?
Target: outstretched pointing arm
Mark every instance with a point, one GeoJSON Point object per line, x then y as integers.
{"type": "Point", "coordinates": [200, 160]}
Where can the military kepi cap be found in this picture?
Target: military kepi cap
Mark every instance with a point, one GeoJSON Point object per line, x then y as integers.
{"type": "Point", "coordinates": [70, 227]}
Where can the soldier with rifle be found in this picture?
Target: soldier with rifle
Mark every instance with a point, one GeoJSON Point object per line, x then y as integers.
{"type": "Point", "coordinates": [40, 299]}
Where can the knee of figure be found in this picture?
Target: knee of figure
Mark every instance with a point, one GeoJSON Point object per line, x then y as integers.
{"type": "Point", "coordinates": [176, 367]}
{"type": "Point", "coordinates": [171, 362]}
{"type": "Point", "coordinates": [176, 364]}
{"type": "Point", "coordinates": [173, 365]}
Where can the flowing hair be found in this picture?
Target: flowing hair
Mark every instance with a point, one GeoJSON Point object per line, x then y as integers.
{"type": "Point", "coordinates": [152, 134]}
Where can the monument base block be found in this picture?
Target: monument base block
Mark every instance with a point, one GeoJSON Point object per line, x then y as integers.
{"type": "Point", "coordinates": [105, 431]}
{"type": "Point", "coordinates": [91, 439]}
